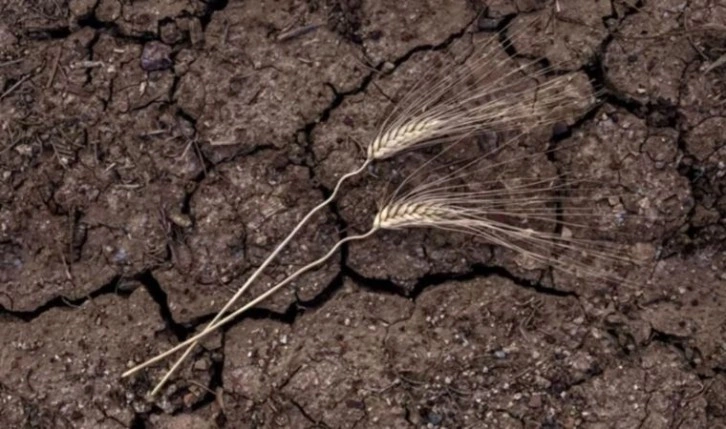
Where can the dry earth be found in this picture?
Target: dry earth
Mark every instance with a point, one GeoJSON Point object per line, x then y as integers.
{"type": "Point", "coordinates": [152, 152]}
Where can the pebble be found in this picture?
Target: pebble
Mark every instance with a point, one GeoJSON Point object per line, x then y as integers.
{"type": "Point", "coordinates": [201, 365]}
{"type": "Point", "coordinates": [156, 56]}
{"type": "Point", "coordinates": [435, 419]}
{"type": "Point", "coordinates": [180, 219]}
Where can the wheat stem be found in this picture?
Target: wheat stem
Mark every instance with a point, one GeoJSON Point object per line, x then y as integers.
{"type": "Point", "coordinates": [213, 326]}
{"type": "Point", "coordinates": [249, 281]}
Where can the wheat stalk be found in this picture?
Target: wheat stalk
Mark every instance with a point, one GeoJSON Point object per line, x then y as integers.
{"type": "Point", "coordinates": [493, 92]}
{"type": "Point", "coordinates": [436, 203]}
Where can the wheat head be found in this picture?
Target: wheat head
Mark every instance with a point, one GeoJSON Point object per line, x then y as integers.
{"type": "Point", "coordinates": [531, 216]}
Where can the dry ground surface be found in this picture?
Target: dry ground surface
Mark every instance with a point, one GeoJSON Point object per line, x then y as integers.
{"type": "Point", "coordinates": [152, 152]}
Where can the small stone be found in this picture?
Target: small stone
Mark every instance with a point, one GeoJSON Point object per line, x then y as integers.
{"type": "Point", "coordinates": [434, 419]}
{"type": "Point", "coordinates": [189, 399]}
{"type": "Point", "coordinates": [387, 67]}
{"type": "Point", "coordinates": [24, 149]}
{"type": "Point", "coordinates": [180, 219]}
{"type": "Point", "coordinates": [542, 382]}
{"type": "Point", "coordinates": [201, 365]}
{"type": "Point", "coordinates": [156, 56]}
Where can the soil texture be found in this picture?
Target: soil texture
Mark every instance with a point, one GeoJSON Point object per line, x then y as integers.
{"type": "Point", "coordinates": [153, 153]}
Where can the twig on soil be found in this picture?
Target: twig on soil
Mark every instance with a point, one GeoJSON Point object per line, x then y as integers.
{"type": "Point", "coordinates": [366, 65]}
{"type": "Point", "coordinates": [13, 142]}
{"type": "Point", "coordinates": [11, 62]}
{"type": "Point", "coordinates": [671, 33]}
{"type": "Point", "coordinates": [55, 67]}
{"type": "Point", "coordinates": [200, 156]}
{"type": "Point", "coordinates": [29, 374]}
{"type": "Point", "coordinates": [297, 32]}
{"type": "Point", "coordinates": [15, 86]}
{"type": "Point", "coordinates": [718, 63]}
{"type": "Point", "coordinates": [380, 390]}
{"type": "Point", "coordinates": [57, 155]}
{"type": "Point", "coordinates": [67, 269]}
{"type": "Point", "coordinates": [68, 303]}
{"type": "Point", "coordinates": [203, 387]}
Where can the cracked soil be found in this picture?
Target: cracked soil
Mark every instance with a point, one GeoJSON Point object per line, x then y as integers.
{"type": "Point", "coordinates": [153, 152]}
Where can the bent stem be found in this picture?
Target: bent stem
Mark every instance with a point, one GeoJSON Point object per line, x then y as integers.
{"type": "Point", "coordinates": [219, 323]}
{"type": "Point", "coordinates": [211, 326]}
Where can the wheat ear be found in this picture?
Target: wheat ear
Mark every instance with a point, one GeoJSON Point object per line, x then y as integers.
{"type": "Point", "coordinates": [521, 218]}
{"type": "Point", "coordinates": [532, 243]}
{"type": "Point", "coordinates": [497, 106]}
{"type": "Point", "coordinates": [492, 90]}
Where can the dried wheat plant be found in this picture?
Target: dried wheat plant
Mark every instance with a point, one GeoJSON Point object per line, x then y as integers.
{"type": "Point", "coordinates": [521, 214]}
{"type": "Point", "coordinates": [490, 89]}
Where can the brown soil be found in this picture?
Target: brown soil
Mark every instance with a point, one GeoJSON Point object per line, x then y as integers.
{"type": "Point", "coordinates": [153, 152]}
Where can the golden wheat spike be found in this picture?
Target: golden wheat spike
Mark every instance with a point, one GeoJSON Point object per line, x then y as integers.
{"type": "Point", "coordinates": [524, 216]}
{"type": "Point", "coordinates": [491, 89]}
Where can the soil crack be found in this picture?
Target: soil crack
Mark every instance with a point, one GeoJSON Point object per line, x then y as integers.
{"type": "Point", "coordinates": [157, 293]}
{"type": "Point", "coordinates": [112, 287]}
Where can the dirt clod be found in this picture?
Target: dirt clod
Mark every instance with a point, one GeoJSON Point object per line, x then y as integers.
{"type": "Point", "coordinates": [156, 56]}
